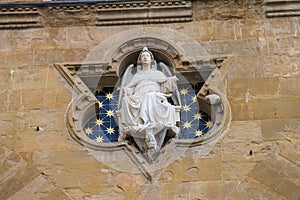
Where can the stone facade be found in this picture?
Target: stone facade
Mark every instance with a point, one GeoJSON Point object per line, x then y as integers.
{"type": "Point", "coordinates": [258, 158]}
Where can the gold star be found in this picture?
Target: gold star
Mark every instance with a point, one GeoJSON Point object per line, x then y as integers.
{"type": "Point", "coordinates": [88, 131]}
{"type": "Point", "coordinates": [100, 104]}
{"type": "Point", "coordinates": [99, 122]}
{"type": "Point", "coordinates": [99, 88]}
{"type": "Point", "coordinates": [198, 116]}
{"type": "Point", "coordinates": [186, 108]}
{"type": "Point", "coordinates": [198, 133]}
{"type": "Point", "coordinates": [99, 139]}
{"type": "Point", "coordinates": [109, 96]}
{"type": "Point", "coordinates": [110, 130]}
{"type": "Point", "coordinates": [184, 91]}
{"type": "Point", "coordinates": [209, 124]}
{"type": "Point", "coordinates": [194, 99]}
{"type": "Point", "coordinates": [187, 125]}
{"type": "Point", "coordinates": [110, 113]}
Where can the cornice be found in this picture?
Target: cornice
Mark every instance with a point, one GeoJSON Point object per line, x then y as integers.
{"type": "Point", "coordinates": [94, 13]}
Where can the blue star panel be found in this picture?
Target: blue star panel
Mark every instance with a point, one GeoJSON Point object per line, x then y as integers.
{"type": "Point", "coordinates": [103, 127]}
{"type": "Point", "coordinates": [193, 122]}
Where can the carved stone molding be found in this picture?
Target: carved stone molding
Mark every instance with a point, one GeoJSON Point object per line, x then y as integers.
{"type": "Point", "coordinates": [140, 12]}
{"type": "Point", "coordinates": [93, 13]}
{"type": "Point", "coordinates": [20, 17]}
{"type": "Point", "coordinates": [282, 8]}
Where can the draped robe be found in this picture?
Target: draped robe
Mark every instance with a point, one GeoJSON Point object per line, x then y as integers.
{"type": "Point", "coordinates": [144, 107]}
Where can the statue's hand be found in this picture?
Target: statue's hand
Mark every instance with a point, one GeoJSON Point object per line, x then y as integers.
{"type": "Point", "coordinates": [128, 91]}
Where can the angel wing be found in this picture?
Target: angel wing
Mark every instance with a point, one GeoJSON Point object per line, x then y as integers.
{"type": "Point", "coordinates": [125, 80]}
{"type": "Point", "coordinates": [175, 95]}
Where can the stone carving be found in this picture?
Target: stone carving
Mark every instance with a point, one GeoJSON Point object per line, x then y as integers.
{"type": "Point", "coordinates": [144, 111]}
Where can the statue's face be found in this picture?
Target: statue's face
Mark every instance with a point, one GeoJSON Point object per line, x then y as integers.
{"type": "Point", "coordinates": [146, 58]}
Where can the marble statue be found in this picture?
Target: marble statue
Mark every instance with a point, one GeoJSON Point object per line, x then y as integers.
{"type": "Point", "coordinates": [144, 110]}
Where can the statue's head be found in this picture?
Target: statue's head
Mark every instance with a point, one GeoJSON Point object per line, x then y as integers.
{"type": "Point", "coordinates": [146, 56]}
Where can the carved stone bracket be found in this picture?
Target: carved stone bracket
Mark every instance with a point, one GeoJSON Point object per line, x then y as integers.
{"type": "Point", "coordinates": [282, 8]}
{"type": "Point", "coordinates": [20, 17]}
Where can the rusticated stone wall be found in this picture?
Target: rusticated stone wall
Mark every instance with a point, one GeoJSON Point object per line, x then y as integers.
{"type": "Point", "coordinates": [262, 85]}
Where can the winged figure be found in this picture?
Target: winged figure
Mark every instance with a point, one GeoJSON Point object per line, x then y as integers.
{"type": "Point", "coordinates": [145, 111]}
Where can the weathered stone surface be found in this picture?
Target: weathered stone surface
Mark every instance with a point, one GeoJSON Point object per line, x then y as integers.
{"type": "Point", "coordinates": [262, 85]}
{"type": "Point", "coordinates": [231, 9]}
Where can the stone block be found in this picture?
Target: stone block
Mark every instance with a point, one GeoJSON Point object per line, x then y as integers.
{"type": "Point", "coordinates": [267, 176]}
{"type": "Point", "coordinates": [243, 131]}
{"type": "Point", "coordinates": [18, 58]}
{"type": "Point", "coordinates": [4, 78]}
{"type": "Point", "coordinates": [74, 55]}
{"type": "Point", "coordinates": [4, 40]}
{"type": "Point", "coordinates": [76, 192]}
{"type": "Point", "coordinates": [264, 108]}
{"type": "Point", "coordinates": [286, 168]}
{"type": "Point", "coordinates": [36, 189]}
{"type": "Point", "coordinates": [290, 151]}
{"type": "Point", "coordinates": [289, 189]}
{"type": "Point", "coordinates": [254, 189]}
{"type": "Point", "coordinates": [3, 60]}
{"type": "Point", "coordinates": [56, 194]}
{"type": "Point", "coordinates": [216, 190]}
{"type": "Point", "coordinates": [78, 37]}
{"type": "Point", "coordinates": [48, 38]}
{"type": "Point", "coordinates": [109, 193]}
{"type": "Point", "coordinates": [9, 187]}
{"type": "Point", "coordinates": [235, 169]}
{"type": "Point", "coordinates": [280, 45]}
{"type": "Point", "coordinates": [238, 195]}
{"type": "Point", "coordinates": [7, 123]}
{"type": "Point", "coordinates": [241, 110]}
{"type": "Point", "coordinates": [27, 174]}
{"type": "Point", "coordinates": [225, 30]}
{"type": "Point", "coordinates": [13, 100]}
{"type": "Point", "coordinates": [283, 65]}
{"type": "Point", "coordinates": [238, 88]}
{"type": "Point", "coordinates": [264, 86]}
{"type": "Point", "coordinates": [240, 47]}
{"type": "Point", "coordinates": [252, 28]}
{"type": "Point", "coordinates": [274, 129]}
{"type": "Point", "coordinates": [205, 169]}
{"type": "Point", "coordinates": [33, 99]}
{"type": "Point", "coordinates": [289, 86]}
{"type": "Point", "coordinates": [183, 170]}
{"type": "Point", "coordinates": [288, 107]}
{"type": "Point", "coordinates": [41, 118]}
{"type": "Point", "coordinates": [279, 27]}
{"type": "Point", "coordinates": [19, 39]}
{"type": "Point", "coordinates": [203, 30]}
{"type": "Point", "coordinates": [240, 151]}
